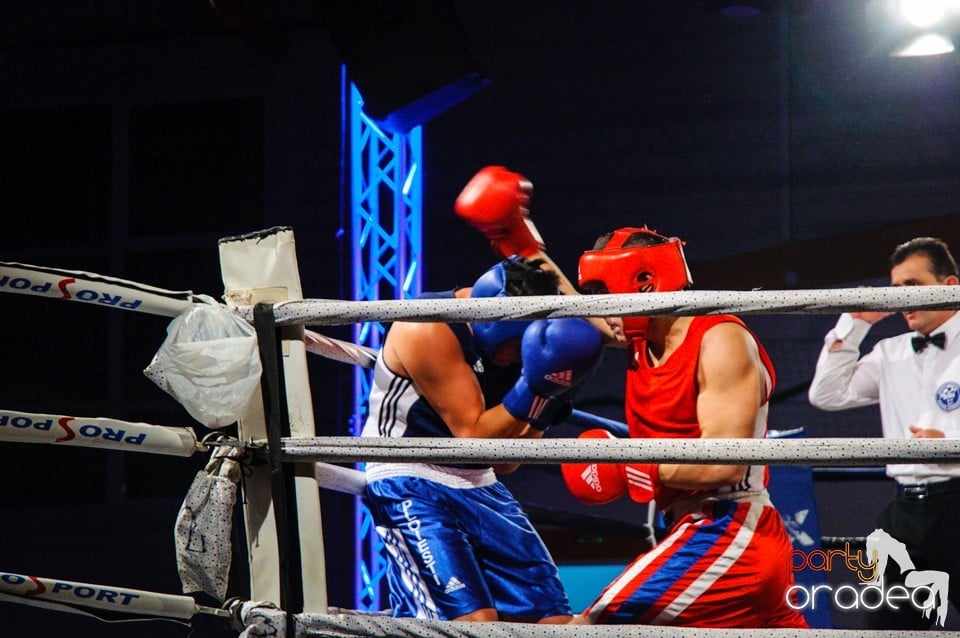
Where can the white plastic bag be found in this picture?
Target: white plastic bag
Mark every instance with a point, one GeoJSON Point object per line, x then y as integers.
{"type": "Point", "coordinates": [209, 363]}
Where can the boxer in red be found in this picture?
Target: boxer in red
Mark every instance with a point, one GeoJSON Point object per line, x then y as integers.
{"type": "Point", "coordinates": [725, 561]}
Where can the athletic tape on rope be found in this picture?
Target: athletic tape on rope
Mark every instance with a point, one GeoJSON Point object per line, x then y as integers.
{"type": "Point", "coordinates": [709, 302]}
{"type": "Point", "coordinates": [839, 451]}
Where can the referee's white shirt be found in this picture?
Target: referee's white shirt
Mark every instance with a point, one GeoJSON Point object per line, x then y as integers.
{"type": "Point", "coordinates": [912, 388]}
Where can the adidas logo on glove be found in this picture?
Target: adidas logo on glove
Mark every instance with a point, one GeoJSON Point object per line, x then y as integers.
{"type": "Point", "coordinates": [591, 477]}
{"type": "Point", "coordinates": [564, 377]}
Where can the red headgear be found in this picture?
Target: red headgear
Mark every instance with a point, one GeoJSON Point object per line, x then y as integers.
{"type": "Point", "coordinates": [660, 267]}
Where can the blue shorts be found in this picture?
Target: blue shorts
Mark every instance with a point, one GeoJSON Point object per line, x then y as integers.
{"type": "Point", "coordinates": [456, 551]}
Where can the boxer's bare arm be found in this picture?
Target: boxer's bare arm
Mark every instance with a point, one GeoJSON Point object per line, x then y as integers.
{"type": "Point", "coordinates": [429, 355]}
{"type": "Point", "coordinates": [732, 388]}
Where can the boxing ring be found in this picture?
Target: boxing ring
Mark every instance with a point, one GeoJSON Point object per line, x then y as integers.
{"type": "Point", "coordinates": [276, 429]}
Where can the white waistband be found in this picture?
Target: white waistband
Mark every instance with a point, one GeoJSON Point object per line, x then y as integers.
{"type": "Point", "coordinates": [453, 477]}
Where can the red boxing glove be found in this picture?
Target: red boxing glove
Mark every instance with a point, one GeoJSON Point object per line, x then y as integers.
{"type": "Point", "coordinates": [496, 202]}
{"type": "Point", "coordinates": [594, 483]}
{"type": "Point", "coordinates": [642, 480]}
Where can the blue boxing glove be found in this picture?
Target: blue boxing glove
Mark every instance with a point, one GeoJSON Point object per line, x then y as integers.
{"type": "Point", "coordinates": [558, 356]}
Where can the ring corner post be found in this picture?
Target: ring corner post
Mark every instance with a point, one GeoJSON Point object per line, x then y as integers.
{"type": "Point", "coordinates": [261, 268]}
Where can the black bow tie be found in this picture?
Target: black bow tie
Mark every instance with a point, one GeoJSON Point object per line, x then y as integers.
{"type": "Point", "coordinates": [920, 341]}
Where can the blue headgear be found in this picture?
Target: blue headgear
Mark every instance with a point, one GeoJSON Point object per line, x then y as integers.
{"type": "Point", "coordinates": [490, 335]}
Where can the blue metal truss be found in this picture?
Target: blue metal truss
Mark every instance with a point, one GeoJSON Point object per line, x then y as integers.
{"type": "Point", "coordinates": [386, 211]}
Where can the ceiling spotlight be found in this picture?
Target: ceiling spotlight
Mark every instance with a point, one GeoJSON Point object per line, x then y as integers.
{"type": "Point", "coordinates": [912, 28]}
{"type": "Point", "coordinates": [925, 44]}
{"type": "Point", "coordinates": [923, 14]}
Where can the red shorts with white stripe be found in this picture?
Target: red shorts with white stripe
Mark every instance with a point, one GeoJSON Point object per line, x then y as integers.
{"type": "Point", "coordinates": [727, 565]}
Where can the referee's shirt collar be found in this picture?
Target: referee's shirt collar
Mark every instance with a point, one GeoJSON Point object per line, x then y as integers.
{"type": "Point", "coordinates": [950, 327]}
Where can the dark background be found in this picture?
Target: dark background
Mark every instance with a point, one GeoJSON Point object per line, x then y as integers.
{"type": "Point", "coordinates": [134, 135]}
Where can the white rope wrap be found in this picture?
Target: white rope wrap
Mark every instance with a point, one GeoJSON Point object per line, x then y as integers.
{"type": "Point", "coordinates": [342, 351]}
{"type": "Point", "coordinates": [706, 302]}
{"type": "Point", "coordinates": [264, 621]}
{"type": "Point", "coordinates": [340, 479]}
{"type": "Point", "coordinates": [839, 451]}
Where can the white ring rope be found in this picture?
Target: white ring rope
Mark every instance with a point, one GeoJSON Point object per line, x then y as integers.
{"type": "Point", "coordinates": [264, 621]}
{"type": "Point", "coordinates": [76, 285]}
{"type": "Point", "coordinates": [821, 451]}
{"type": "Point", "coordinates": [111, 292]}
{"type": "Point", "coordinates": [104, 433]}
{"type": "Point", "coordinates": [828, 301]}
{"type": "Point", "coordinates": [56, 593]}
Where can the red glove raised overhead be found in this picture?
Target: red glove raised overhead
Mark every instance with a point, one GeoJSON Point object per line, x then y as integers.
{"type": "Point", "coordinates": [496, 202]}
{"type": "Point", "coordinates": [594, 483]}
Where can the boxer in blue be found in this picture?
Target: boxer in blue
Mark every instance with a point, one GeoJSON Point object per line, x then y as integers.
{"type": "Point", "coordinates": [461, 547]}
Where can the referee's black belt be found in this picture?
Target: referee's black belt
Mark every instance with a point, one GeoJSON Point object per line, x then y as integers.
{"type": "Point", "coordinates": [920, 491]}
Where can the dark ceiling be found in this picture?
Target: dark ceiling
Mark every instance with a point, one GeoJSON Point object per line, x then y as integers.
{"type": "Point", "coordinates": [766, 133]}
